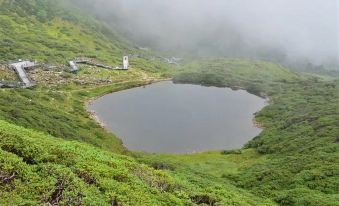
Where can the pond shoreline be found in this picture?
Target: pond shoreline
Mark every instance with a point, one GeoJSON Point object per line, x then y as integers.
{"type": "Point", "coordinates": [94, 116]}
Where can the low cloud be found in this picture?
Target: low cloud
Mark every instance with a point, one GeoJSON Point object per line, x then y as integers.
{"type": "Point", "coordinates": [281, 30]}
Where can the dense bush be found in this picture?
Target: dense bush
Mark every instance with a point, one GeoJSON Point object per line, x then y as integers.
{"type": "Point", "coordinates": [54, 31]}
{"type": "Point", "coordinates": [294, 161]}
{"type": "Point", "coordinates": [301, 130]}
{"type": "Point", "coordinates": [39, 169]}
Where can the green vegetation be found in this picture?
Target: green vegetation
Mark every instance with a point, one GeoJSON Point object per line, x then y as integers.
{"type": "Point", "coordinates": [56, 106]}
{"type": "Point", "coordinates": [36, 169]}
{"type": "Point", "coordinates": [298, 152]}
{"type": "Point", "coordinates": [254, 76]}
{"type": "Point", "coordinates": [53, 152]}
{"type": "Point", "coordinates": [54, 32]}
{"type": "Point", "coordinates": [40, 169]}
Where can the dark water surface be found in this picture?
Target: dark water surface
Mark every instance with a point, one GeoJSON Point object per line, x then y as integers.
{"type": "Point", "coordinates": [180, 118]}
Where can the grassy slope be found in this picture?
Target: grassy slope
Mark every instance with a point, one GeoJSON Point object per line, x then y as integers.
{"type": "Point", "coordinates": [37, 169]}
{"type": "Point", "coordinates": [57, 31]}
{"type": "Point", "coordinates": [57, 105]}
{"type": "Point", "coordinates": [51, 32]}
{"type": "Point", "coordinates": [48, 170]}
{"type": "Point", "coordinates": [295, 161]}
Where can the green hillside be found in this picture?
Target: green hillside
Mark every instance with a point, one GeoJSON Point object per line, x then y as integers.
{"type": "Point", "coordinates": [40, 169]}
{"type": "Point", "coordinates": [298, 160]}
{"type": "Point", "coordinates": [53, 152]}
{"type": "Point", "coordinates": [54, 31]}
{"type": "Point", "coordinates": [56, 105]}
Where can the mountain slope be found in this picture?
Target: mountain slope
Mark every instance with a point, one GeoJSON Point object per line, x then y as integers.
{"type": "Point", "coordinates": [300, 138]}
{"type": "Point", "coordinates": [40, 169]}
{"type": "Point", "coordinates": [293, 162]}
{"type": "Point", "coordinates": [54, 31]}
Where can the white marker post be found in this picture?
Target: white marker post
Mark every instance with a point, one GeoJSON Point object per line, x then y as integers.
{"type": "Point", "coordinates": [125, 62]}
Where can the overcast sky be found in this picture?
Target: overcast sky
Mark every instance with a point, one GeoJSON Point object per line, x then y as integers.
{"type": "Point", "coordinates": [294, 28]}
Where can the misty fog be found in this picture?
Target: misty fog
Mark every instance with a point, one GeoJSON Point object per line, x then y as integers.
{"type": "Point", "coordinates": [286, 31]}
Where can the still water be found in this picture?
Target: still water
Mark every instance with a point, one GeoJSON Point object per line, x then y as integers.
{"type": "Point", "coordinates": [180, 118]}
